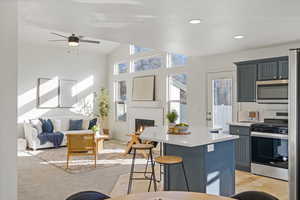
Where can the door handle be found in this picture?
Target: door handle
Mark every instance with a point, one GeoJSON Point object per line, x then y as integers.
{"type": "Point", "coordinates": [208, 116]}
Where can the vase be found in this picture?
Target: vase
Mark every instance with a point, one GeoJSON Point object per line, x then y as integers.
{"type": "Point", "coordinates": [171, 125]}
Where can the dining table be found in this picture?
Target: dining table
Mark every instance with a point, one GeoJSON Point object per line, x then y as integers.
{"type": "Point", "coordinates": [171, 195]}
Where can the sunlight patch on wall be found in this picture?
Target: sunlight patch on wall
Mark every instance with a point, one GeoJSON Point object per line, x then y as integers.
{"type": "Point", "coordinates": [83, 85]}
{"type": "Point", "coordinates": [85, 106]}
{"type": "Point", "coordinates": [35, 112]}
{"type": "Point", "coordinates": [31, 94]}
{"type": "Point", "coordinates": [49, 86]}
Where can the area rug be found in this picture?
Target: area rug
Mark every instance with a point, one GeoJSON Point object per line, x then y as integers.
{"type": "Point", "coordinates": [112, 155]}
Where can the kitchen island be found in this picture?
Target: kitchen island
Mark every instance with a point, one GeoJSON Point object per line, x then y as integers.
{"type": "Point", "coordinates": [209, 159]}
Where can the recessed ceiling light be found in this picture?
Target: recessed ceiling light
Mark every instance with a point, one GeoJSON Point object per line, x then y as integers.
{"type": "Point", "coordinates": [195, 21]}
{"type": "Point", "coordinates": [238, 37]}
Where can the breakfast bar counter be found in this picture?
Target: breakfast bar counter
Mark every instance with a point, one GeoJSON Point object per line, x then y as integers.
{"type": "Point", "coordinates": [209, 159]}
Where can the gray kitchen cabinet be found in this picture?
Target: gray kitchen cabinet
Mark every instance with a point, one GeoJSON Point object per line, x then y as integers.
{"type": "Point", "coordinates": [242, 147]}
{"type": "Point", "coordinates": [267, 71]}
{"type": "Point", "coordinates": [283, 69]}
{"type": "Point", "coordinates": [246, 82]}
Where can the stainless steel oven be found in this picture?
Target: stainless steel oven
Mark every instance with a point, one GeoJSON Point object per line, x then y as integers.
{"type": "Point", "coordinates": [274, 91]}
{"type": "Point", "coordinates": [269, 146]}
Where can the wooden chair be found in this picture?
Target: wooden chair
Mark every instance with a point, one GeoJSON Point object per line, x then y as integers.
{"type": "Point", "coordinates": [135, 139]}
{"type": "Point", "coordinates": [81, 145]}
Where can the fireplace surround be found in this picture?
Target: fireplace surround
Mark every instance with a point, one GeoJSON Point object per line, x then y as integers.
{"type": "Point", "coordinates": [140, 124]}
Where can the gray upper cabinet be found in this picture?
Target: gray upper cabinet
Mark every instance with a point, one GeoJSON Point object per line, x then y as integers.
{"type": "Point", "coordinates": [246, 82]}
{"type": "Point", "coordinates": [267, 71]}
{"type": "Point", "coordinates": [248, 72]}
{"type": "Point", "coordinates": [283, 69]}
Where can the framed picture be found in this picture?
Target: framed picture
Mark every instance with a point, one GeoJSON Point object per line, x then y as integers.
{"type": "Point", "coordinates": [143, 88]}
{"type": "Point", "coordinates": [67, 93]}
{"type": "Point", "coordinates": [48, 93]}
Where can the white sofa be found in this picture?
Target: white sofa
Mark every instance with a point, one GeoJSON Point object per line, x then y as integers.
{"type": "Point", "coordinates": [31, 133]}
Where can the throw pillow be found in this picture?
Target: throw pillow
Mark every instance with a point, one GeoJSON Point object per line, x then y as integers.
{"type": "Point", "coordinates": [47, 126]}
{"type": "Point", "coordinates": [92, 123]}
{"type": "Point", "coordinates": [37, 124]}
{"type": "Point", "coordinates": [85, 124]}
{"type": "Point", "coordinates": [75, 125]}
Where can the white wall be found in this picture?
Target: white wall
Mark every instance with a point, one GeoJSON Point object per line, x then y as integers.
{"type": "Point", "coordinates": [197, 69]}
{"type": "Point", "coordinates": [8, 100]}
{"type": "Point", "coordinates": [89, 68]}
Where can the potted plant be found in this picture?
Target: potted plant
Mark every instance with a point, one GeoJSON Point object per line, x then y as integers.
{"type": "Point", "coordinates": [95, 129]}
{"type": "Point", "coordinates": [103, 107]}
{"type": "Point", "coordinates": [172, 117]}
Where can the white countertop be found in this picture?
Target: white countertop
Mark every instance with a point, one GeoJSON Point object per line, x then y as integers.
{"type": "Point", "coordinates": [199, 136]}
{"type": "Point", "coordinates": [248, 124]}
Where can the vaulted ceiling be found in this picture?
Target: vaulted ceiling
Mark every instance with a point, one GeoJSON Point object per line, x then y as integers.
{"type": "Point", "coordinates": [163, 24]}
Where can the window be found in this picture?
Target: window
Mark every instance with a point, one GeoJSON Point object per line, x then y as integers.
{"type": "Point", "coordinates": [136, 49]}
{"type": "Point", "coordinates": [222, 103]}
{"type": "Point", "coordinates": [121, 68]}
{"type": "Point", "coordinates": [121, 112]}
{"type": "Point", "coordinates": [176, 60]}
{"type": "Point", "coordinates": [147, 64]}
{"type": "Point", "coordinates": [120, 98]}
{"type": "Point", "coordinates": [177, 87]}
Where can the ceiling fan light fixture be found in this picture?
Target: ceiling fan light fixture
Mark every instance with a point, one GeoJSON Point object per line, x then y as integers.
{"type": "Point", "coordinates": [73, 44]}
{"type": "Point", "coordinates": [73, 41]}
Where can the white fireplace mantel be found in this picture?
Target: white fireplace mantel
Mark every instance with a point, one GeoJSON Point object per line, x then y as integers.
{"type": "Point", "coordinates": [149, 113]}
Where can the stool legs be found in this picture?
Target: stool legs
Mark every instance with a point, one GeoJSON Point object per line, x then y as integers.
{"type": "Point", "coordinates": [131, 172]}
{"type": "Point", "coordinates": [186, 181]}
{"type": "Point", "coordinates": [153, 173]}
{"type": "Point", "coordinates": [146, 168]}
{"type": "Point", "coordinates": [131, 178]}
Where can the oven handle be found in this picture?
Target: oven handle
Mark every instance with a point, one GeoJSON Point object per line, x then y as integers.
{"type": "Point", "coordinates": [269, 135]}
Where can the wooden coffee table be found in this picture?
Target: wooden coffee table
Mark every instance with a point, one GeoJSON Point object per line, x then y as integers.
{"type": "Point", "coordinates": [100, 142]}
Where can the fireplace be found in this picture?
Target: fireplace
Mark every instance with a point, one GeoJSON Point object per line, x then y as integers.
{"type": "Point", "coordinates": [140, 124]}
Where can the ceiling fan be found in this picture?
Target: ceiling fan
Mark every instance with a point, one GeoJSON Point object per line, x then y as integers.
{"type": "Point", "coordinates": [73, 40]}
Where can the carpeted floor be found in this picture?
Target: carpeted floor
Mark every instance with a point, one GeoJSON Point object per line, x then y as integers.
{"type": "Point", "coordinates": [46, 179]}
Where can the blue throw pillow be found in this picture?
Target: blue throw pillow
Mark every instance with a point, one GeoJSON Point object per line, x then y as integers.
{"type": "Point", "coordinates": [92, 123]}
{"type": "Point", "coordinates": [47, 126]}
{"type": "Point", "coordinates": [76, 125]}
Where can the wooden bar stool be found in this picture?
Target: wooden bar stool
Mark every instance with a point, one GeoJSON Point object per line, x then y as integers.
{"type": "Point", "coordinates": [143, 147]}
{"type": "Point", "coordinates": [172, 160]}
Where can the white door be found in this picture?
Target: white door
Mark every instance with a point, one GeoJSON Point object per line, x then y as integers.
{"type": "Point", "coordinates": [219, 99]}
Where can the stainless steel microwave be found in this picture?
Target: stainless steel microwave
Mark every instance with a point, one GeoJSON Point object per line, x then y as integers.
{"type": "Point", "coordinates": [274, 91]}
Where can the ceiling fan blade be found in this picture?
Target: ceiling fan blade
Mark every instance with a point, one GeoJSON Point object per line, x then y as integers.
{"type": "Point", "coordinates": [59, 35]}
{"type": "Point", "coordinates": [58, 40]}
{"type": "Point", "coordinates": [90, 41]}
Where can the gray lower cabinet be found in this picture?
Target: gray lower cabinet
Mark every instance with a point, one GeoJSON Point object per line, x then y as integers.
{"type": "Point", "coordinates": [246, 82]}
{"type": "Point", "coordinates": [242, 147]}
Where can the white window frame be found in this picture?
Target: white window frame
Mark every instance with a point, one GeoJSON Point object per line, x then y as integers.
{"type": "Point", "coordinates": [163, 64]}
{"type": "Point", "coordinates": [169, 101]}
{"type": "Point", "coordinates": [116, 67]}
{"type": "Point", "coordinates": [169, 61]}
{"type": "Point", "coordinates": [117, 100]}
